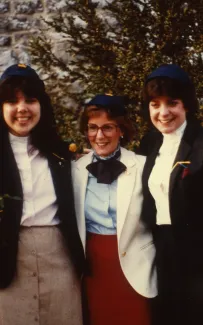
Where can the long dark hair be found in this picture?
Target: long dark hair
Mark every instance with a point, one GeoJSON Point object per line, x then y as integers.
{"type": "Point", "coordinates": [43, 136]}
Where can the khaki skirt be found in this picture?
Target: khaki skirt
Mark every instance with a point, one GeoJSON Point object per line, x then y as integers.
{"type": "Point", "coordinates": [46, 290]}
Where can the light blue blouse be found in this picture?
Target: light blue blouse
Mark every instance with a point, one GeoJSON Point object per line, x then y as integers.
{"type": "Point", "coordinates": [100, 207]}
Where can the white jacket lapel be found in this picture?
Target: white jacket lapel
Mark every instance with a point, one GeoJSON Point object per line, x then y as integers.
{"type": "Point", "coordinates": [80, 178]}
{"type": "Point", "coordinates": [125, 188]}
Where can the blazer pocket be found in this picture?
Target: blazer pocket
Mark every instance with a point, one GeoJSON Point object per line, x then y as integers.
{"type": "Point", "coordinates": [150, 243]}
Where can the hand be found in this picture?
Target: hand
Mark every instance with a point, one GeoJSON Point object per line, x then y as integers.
{"type": "Point", "coordinates": [86, 150]}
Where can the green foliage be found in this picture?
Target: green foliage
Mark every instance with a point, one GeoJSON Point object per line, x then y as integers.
{"type": "Point", "coordinates": [111, 49]}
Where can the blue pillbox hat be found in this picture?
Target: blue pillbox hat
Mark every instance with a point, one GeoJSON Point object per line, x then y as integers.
{"type": "Point", "coordinates": [19, 70]}
{"type": "Point", "coordinates": [114, 103]}
{"type": "Point", "coordinates": [172, 71]}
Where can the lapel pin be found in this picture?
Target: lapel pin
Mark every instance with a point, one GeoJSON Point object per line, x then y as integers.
{"type": "Point", "coordinates": [181, 163]}
{"type": "Point", "coordinates": [61, 159]}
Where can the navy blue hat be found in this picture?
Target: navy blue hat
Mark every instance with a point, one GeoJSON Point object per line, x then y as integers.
{"type": "Point", "coordinates": [172, 71]}
{"type": "Point", "coordinates": [19, 70]}
{"type": "Point", "coordinates": [114, 103]}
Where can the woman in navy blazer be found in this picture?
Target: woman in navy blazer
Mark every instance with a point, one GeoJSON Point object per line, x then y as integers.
{"type": "Point", "coordinates": [173, 187]}
{"type": "Point", "coordinates": [41, 255]}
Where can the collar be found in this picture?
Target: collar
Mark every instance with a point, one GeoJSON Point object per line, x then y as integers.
{"type": "Point", "coordinates": [113, 154]}
{"type": "Point", "coordinates": [18, 140]}
{"type": "Point", "coordinates": [20, 143]}
{"type": "Point", "coordinates": [127, 157]}
{"type": "Point", "coordinates": [176, 135]}
{"type": "Point", "coordinates": [107, 170]}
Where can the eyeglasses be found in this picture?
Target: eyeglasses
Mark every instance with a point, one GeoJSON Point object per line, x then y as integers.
{"type": "Point", "coordinates": [107, 129]}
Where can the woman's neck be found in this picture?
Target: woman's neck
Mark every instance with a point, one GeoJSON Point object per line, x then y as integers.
{"type": "Point", "coordinates": [113, 154]}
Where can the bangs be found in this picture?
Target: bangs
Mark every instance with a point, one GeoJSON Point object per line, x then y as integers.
{"type": "Point", "coordinates": [172, 88]}
{"type": "Point", "coordinates": [163, 87]}
{"type": "Point", "coordinates": [93, 111]}
{"type": "Point", "coordinates": [30, 87]}
{"type": "Point", "coordinates": [96, 110]}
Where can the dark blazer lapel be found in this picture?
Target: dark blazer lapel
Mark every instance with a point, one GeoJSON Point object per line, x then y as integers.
{"type": "Point", "coordinates": [182, 155]}
{"type": "Point", "coordinates": [184, 151]}
{"type": "Point", "coordinates": [149, 208]}
{"type": "Point", "coordinates": [151, 159]}
{"type": "Point", "coordinates": [62, 180]}
{"type": "Point", "coordinates": [11, 185]}
{"type": "Point", "coordinates": [61, 175]}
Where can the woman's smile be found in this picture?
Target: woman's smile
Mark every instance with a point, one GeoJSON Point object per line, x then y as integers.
{"type": "Point", "coordinates": [21, 114]}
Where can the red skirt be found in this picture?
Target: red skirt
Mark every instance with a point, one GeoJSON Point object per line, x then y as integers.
{"type": "Point", "coordinates": [110, 299]}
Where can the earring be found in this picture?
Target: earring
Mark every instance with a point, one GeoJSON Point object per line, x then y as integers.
{"type": "Point", "coordinates": [121, 136]}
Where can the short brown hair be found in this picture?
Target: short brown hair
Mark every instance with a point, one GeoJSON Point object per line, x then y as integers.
{"type": "Point", "coordinates": [123, 121]}
{"type": "Point", "coordinates": [165, 86]}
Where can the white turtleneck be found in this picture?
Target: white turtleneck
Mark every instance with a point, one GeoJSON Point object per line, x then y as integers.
{"type": "Point", "coordinates": [39, 198]}
{"type": "Point", "coordinates": [160, 175]}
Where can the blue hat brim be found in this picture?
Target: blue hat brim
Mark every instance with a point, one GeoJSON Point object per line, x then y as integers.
{"type": "Point", "coordinates": [19, 70]}
{"type": "Point", "coordinates": [114, 103]}
{"type": "Point", "coordinates": [172, 71]}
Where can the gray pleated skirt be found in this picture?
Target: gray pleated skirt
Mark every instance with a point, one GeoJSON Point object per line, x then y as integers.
{"type": "Point", "coordinates": [46, 289]}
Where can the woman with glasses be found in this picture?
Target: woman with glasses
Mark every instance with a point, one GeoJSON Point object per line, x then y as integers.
{"type": "Point", "coordinates": [119, 277]}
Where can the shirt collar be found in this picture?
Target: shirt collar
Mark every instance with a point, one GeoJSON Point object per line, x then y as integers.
{"type": "Point", "coordinates": [20, 143]}
{"type": "Point", "coordinates": [176, 135]}
{"type": "Point", "coordinates": [108, 157]}
{"type": "Point", "coordinates": [18, 140]}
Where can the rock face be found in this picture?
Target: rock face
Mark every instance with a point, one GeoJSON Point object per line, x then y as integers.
{"type": "Point", "coordinates": [19, 19]}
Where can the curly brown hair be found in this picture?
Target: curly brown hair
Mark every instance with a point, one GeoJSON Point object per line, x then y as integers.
{"type": "Point", "coordinates": [123, 121]}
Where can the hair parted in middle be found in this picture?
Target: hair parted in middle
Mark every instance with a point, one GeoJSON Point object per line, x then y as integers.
{"type": "Point", "coordinates": [43, 136]}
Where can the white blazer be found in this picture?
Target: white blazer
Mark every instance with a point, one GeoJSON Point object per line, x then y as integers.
{"type": "Point", "coordinates": [135, 244]}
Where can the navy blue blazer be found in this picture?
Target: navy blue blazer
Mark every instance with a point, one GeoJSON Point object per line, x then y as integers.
{"type": "Point", "coordinates": [179, 246]}
{"type": "Point", "coordinates": [10, 217]}
{"type": "Point", "coordinates": [185, 189]}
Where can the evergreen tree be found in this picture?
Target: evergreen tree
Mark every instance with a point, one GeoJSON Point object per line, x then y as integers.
{"type": "Point", "coordinates": [111, 49]}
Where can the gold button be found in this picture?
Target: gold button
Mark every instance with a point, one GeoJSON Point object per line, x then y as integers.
{"type": "Point", "coordinates": [21, 65]}
{"type": "Point", "coordinates": [123, 254]}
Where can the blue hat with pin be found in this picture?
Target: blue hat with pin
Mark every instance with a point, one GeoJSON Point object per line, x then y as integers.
{"type": "Point", "coordinates": [114, 103]}
{"type": "Point", "coordinates": [172, 71]}
{"type": "Point", "coordinates": [19, 70]}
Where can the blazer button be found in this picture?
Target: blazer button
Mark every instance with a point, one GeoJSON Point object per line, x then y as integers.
{"type": "Point", "coordinates": [123, 254]}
